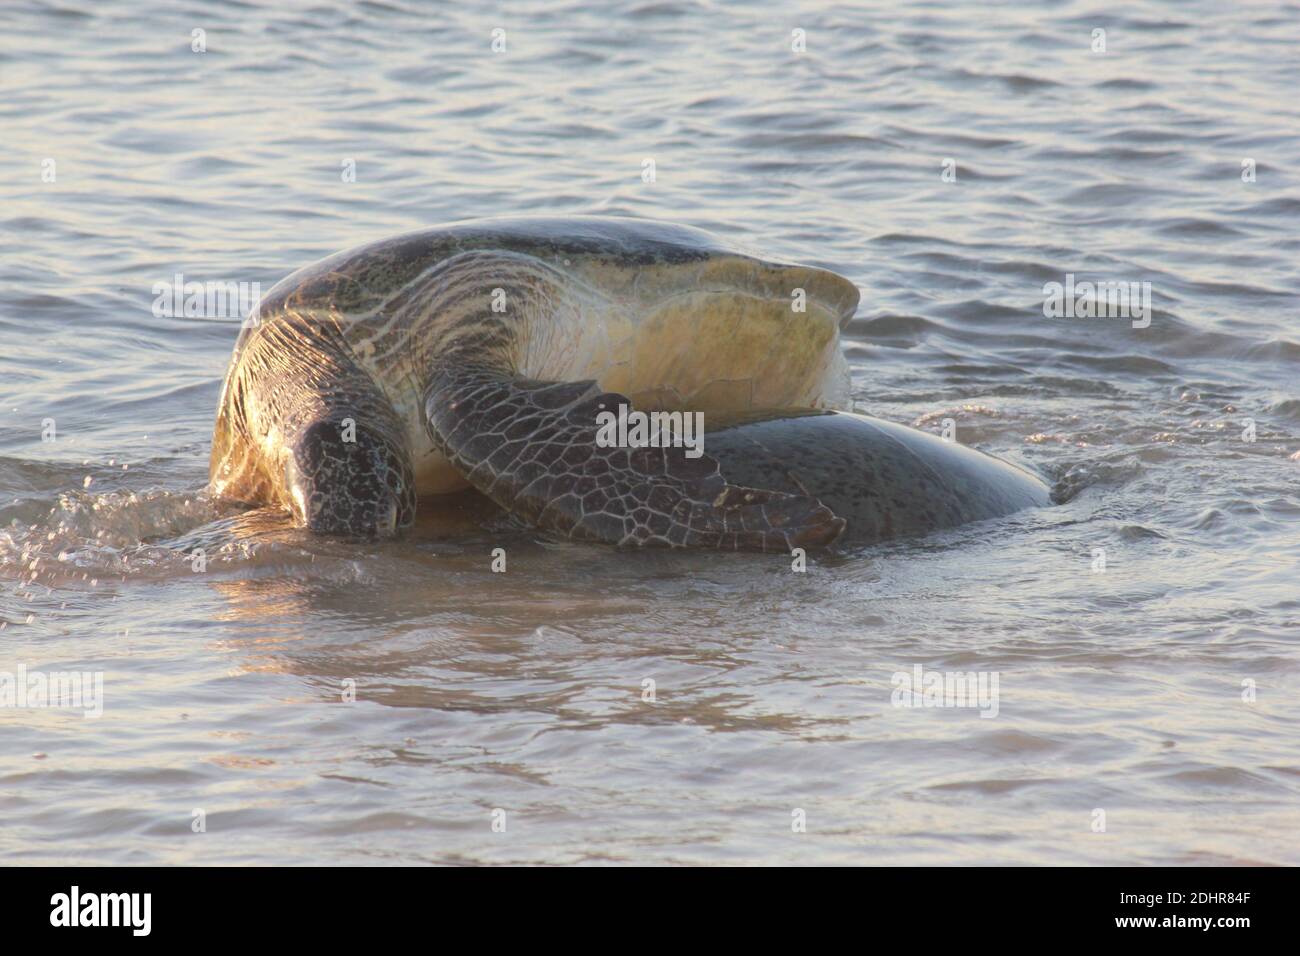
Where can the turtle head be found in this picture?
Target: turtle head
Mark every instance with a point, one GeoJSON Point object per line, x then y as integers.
{"type": "Point", "coordinates": [348, 479]}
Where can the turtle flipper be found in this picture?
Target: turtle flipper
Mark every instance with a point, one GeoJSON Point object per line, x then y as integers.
{"type": "Point", "coordinates": [532, 448]}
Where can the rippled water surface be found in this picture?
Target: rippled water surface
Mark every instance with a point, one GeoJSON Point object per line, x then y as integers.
{"type": "Point", "coordinates": [1161, 690]}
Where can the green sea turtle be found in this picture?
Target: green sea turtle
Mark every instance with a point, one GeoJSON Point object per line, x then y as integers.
{"type": "Point", "coordinates": [886, 480]}
{"type": "Point", "coordinates": [481, 354]}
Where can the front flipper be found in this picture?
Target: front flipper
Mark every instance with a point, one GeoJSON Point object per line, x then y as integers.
{"type": "Point", "coordinates": [532, 448]}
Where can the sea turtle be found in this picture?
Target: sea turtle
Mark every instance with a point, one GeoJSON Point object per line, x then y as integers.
{"type": "Point", "coordinates": [482, 354]}
{"type": "Point", "coordinates": [886, 480]}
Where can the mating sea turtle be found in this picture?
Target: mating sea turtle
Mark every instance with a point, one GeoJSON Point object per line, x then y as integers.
{"type": "Point", "coordinates": [481, 354]}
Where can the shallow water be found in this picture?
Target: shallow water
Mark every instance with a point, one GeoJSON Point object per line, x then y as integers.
{"type": "Point", "coordinates": [1118, 690]}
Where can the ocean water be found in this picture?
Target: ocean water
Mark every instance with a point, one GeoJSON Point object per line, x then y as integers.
{"type": "Point", "coordinates": [293, 700]}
